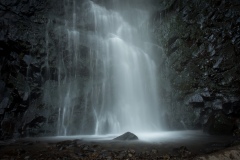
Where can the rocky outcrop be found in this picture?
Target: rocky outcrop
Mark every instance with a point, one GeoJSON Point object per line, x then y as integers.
{"type": "Point", "coordinates": [22, 46]}
{"type": "Point", "coordinates": [219, 124]}
{"type": "Point", "coordinates": [126, 137]}
{"type": "Point", "coordinates": [29, 45]}
{"type": "Point", "coordinates": [226, 154]}
{"type": "Point", "coordinates": [201, 42]}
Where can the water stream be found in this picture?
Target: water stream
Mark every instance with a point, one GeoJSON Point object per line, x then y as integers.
{"type": "Point", "coordinates": [120, 93]}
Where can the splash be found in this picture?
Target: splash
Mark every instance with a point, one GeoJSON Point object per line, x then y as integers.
{"type": "Point", "coordinates": [120, 93]}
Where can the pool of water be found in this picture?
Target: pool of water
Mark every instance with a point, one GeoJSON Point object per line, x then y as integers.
{"type": "Point", "coordinates": [165, 142]}
{"type": "Point", "coordinates": [192, 138]}
{"type": "Point", "coordinates": [163, 136]}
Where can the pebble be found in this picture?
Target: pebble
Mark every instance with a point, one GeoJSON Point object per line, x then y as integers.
{"type": "Point", "coordinates": [130, 155]}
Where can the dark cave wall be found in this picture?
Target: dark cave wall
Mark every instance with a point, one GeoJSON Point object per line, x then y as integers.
{"type": "Point", "coordinates": [201, 42]}
{"type": "Point", "coordinates": [28, 65]}
{"type": "Point", "coordinates": [22, 49]}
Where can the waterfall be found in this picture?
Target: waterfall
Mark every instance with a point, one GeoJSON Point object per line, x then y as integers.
{"type": "Point", "coordinates": [120, 92]}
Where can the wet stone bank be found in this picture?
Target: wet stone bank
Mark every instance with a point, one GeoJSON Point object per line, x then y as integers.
{"type": "Point", "coordinates": [113, 150]}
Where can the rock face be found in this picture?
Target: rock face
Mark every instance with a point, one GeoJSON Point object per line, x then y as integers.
{"type": "Point", "coordinates": [226, 154]}
{"type": "Point", "coordinates": [200, 40]}
{"type": "Point", "coordinates": [219, 124]}
{"type": "Point", "coordinates": [22, 43]}
{"type": "Point", "coordinates": [126, 137]}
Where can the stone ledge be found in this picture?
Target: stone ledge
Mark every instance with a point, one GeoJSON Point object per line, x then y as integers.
{"type": "Point", "coordinates": [232, 153]}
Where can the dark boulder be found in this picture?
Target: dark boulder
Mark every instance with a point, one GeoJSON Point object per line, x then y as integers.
{"type": "Point", "coordinates": [7, 128]}
{"type": "Point", "coordinates": [219, 124]}
{"type": "Point", "coordinates": [127, 136]}
{"type": "Point", "coordinates": [232, 108]}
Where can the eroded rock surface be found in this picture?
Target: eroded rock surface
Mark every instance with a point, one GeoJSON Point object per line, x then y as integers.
{"type": "Point", "coordinates": [126, 137]}
{"type": "Point", "coordinates": [200, 40]}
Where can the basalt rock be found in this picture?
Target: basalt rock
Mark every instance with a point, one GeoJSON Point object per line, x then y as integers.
{"type": "Point", "coordinates": [201, 42]}
{"type": "Point", "coordinates": [219, 124]}
{"type": "Point", "coordinates": [22, 42]}
{"type": "Point", "coordinates": [127, 137]}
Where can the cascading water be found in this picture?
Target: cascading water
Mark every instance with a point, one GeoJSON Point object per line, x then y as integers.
{"type": "Point", "coordinates": [129, 97]}
{"type": "Point", "coordinates": [120, 93]}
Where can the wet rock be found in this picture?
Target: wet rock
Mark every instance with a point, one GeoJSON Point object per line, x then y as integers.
{"type": "Point", "coordinates": [209, 50]}
{"type": "Point", "coordinates": [7, 127]}
{"type": "Point", "coordinates": [20, 69]}
{"type": "Point", "coordinates": [217, 104]}
{"type": "Point", "coordinates": [131, 151]}
{"type": "Point", "coordinates": [218, 124]}
{"type": "Point", "coordinates": [213, 147]}
{"type": "Point", "coordinates": [2, 86]}
{"type": "Point", "coordinates": [230, 153]}
{"type": "Point", "coordinates": [130, 155]}
{"type": "Point", "coordinates": [236, 133]}
{"type": "Point", "coordinates": [154, 151]}
{"type": "Point", "coordinates": [121, 155]}
{"type": "Point", "coordinates": [166, 157]}
{"type": "Point", "coordinates": [232, 108]}
{"type": "Point", "coordinates": [195, 98]}
{"type": "Point", "coordinates": [195, 101]}
{"type": "Point", "coordinates": [34, 127]}
{"type": "Point", "coordinates": [184, 152]}
{"type": "Point", "coordinates": [127, 136]}
{"type": "Point", "coordinates": [21, 151]}
{"type": "Point", "coordinates": [4, 103]}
